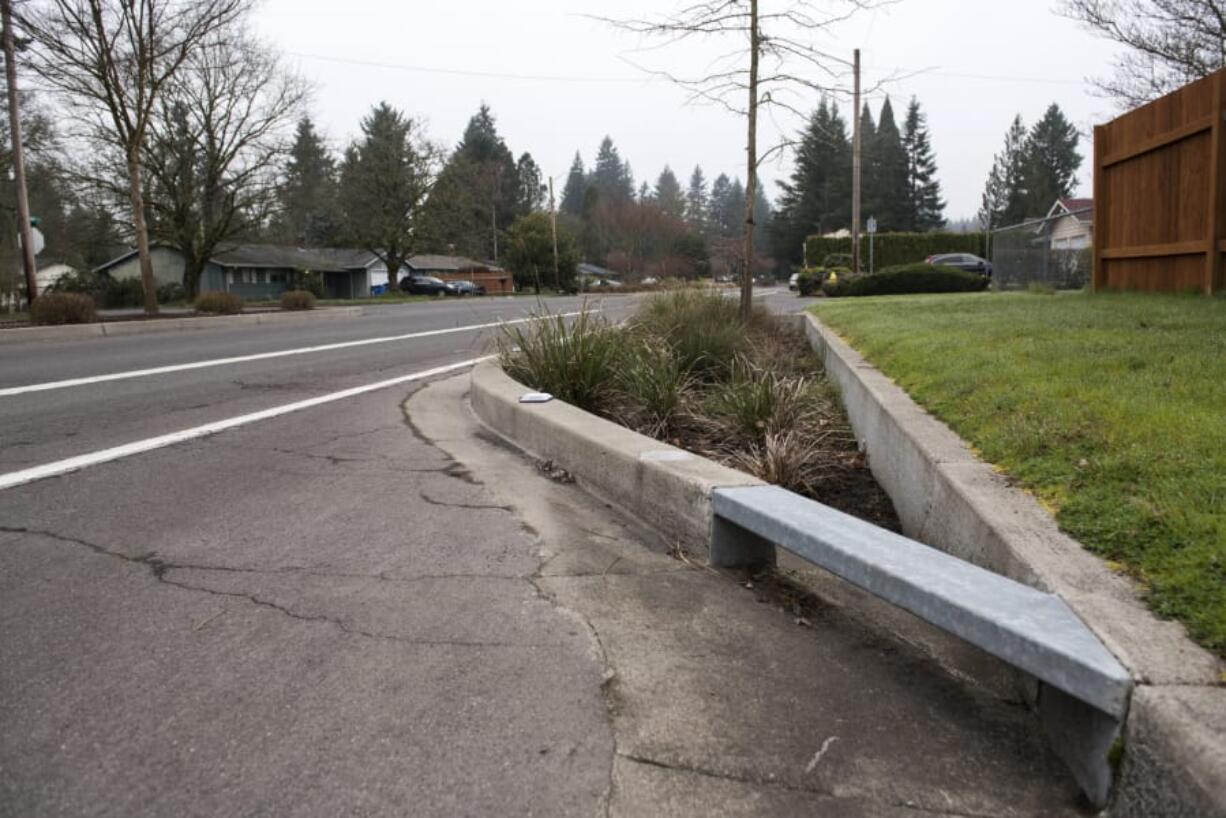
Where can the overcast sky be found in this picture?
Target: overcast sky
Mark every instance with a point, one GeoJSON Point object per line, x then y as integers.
{"type": "Point", "coordinates": [558, 81]}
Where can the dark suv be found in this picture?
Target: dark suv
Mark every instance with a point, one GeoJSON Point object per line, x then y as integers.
{"type": "Point", "coordinates": [423, 285]}
{"type": "Point", "coordinates": [963, 261]}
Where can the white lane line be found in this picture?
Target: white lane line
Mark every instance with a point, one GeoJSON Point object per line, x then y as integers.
{"type": "Point", "coordinates": [162, 370]}
{"type": "Point", "coordinates": [18, 478]}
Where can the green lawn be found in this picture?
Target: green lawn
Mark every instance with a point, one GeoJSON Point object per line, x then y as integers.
{"type": "Point", "coordinates": [1111, 408]}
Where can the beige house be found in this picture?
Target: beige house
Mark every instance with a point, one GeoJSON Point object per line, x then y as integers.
{"type": "Point", "coordinates": [1069, 224]}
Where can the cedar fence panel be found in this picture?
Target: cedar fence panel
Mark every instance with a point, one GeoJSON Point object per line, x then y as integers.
{"type": "Point", "coordinates": [1159, 190]}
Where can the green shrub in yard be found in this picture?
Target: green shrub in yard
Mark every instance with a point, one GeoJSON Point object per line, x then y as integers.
{"type": "Point", "coordinates": [571, 360]}
{"type": "Point", "coordinates": [297, 300]}
{"type": "Point", "coordinates": [810, 280]}
{"type": "Point", "coordinates": [85, 283]}
{"type": "Point", "coordinates": [171, 292]}
{"type": "Point", "coordinates": [313, 283]}
{"type": "Point", "coordinates": [219, 303]}
{"type": "Point", "coordinates": [909, 278]}
{"type": "Point", "coordinates": [837, 260]}
{"type": "Point", "coordinates": [63, 308]}
{"type": "Point", "coordinates": [123, 292]}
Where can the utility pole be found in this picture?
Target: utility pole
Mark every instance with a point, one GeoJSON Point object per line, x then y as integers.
{"type": "Point", "coordinates": [553, 222]}
{"type": "Point", "coordinates": [19, 164]}
{"type": "Point", "coordinates": [855, 165]}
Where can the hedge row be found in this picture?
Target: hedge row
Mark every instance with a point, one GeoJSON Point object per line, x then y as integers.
{"type": "Point", "coordinates": [907, 278]}
{"type": "Point", "coordinates": [896, 248]}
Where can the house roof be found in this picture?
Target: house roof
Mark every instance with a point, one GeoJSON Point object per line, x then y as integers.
{"type": "Point", "coordinates": [1080, 209]}
{"type": "Point", "coordinates": [448, 264]}
{"type": "Point", "coordinates": [318, 259]}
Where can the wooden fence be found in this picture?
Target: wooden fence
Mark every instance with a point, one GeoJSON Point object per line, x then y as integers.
{"type": "Point", "coordinates": [1159, 184]}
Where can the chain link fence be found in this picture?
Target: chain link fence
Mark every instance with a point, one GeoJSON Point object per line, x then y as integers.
{"type": "Point", "coordinates": [1054, 252]}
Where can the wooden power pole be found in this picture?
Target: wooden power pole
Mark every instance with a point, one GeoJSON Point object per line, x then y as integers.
{"type": "Point", "coordinates": [855, 164]}
{"type": "Point", "coordinates": [553, 224]}
{"type": "Point", "coordinates": [19, 164]}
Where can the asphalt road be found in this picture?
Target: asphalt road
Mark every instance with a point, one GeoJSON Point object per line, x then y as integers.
{"type": "Point", "coordinates": [322, 612]}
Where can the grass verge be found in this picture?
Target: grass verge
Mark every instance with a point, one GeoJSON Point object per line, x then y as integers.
{"type": "Point", "coordinates": [1110, 408]}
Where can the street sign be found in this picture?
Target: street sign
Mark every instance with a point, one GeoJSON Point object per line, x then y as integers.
{"type": "Point", "coordinates": [872, 225]}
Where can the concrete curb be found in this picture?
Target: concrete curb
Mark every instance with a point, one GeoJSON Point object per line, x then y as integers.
{"type": "Point", "coordinates": [666, 487]}
{"type": "Point", "coordinates": [115, 329]}
{"type": "Point", "coordinates": [948, 498]}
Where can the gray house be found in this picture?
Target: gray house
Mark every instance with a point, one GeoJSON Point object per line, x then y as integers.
{"type": "Point", "coordinates": [258, 271]}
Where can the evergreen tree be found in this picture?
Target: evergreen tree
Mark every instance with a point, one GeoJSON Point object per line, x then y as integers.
{"type": "Point", "coordinates": [478, 193]}
{"type": "Point", "coordinates": [924, 203]}
{"type": "Point", "coordinates": [306, 196]}
{"type": "Point", "coordinates": [888, 181]}
{"type": "Point", "coordinates": [668, 195]}
{"type": "Point", "coordinates": [868, 165]}
{"type": "Point", "coordinates": [995, 198]}
{"type": "Point", "coordinates": [727, 207]}
{"type": "Point", "coordinates": [610, 177]}
{"type": "Point", "coordinates": [384, 181]}
{"type": "Point", "coordinates": [644, 193]}
{"type": "Point", "coordinates": [1012, 173]}
{"type": "Point", "coordinates": [696, 204]}
{"type": "Point", "coordinates": [817, 197]}
{"type": "Point", "coordinates": [532, 189]}
{"type": "Point", "coordinates": [576, 188]}
{"type": "Point", "coordinates": [1050, 162]}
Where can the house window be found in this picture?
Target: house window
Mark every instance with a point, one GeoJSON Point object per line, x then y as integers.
{"type": "Point", "coordinates": [277, 277]}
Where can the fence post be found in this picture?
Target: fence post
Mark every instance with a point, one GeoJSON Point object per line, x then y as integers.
{"type": "Point", "coordinates": [1101, 210]}
{"type": "Point", "coordinates": [1213, 253]}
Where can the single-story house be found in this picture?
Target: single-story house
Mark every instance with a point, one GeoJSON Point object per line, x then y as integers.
{"type": "Point", "coordinates": [262, 270]}
{"type": "Point", "coordinates": [1069, 224]}
{"type": "Point", "coordinates": [49, 272]}
{"type": "Point", "coordinates": [493, 278]}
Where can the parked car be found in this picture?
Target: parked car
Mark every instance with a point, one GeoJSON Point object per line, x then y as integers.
{"type": "Point", "coordinates": [963, 261]}
{"type": "Point", "coordinates": [423, 285]}
{"type": "Point", "coordinates": [794, 282]}
{"type": "Point", "coordinates": [466, 288]}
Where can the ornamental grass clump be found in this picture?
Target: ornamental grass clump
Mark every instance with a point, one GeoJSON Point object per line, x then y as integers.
{"type": "Point", "coordinates": [652, 387]}
{"type": "Point", "coordinates": [219, 303]}
{"type": "Point", "coordinates": [702, 327]}
{"type": "Point", "coordinates": [573, 360]}
{"type": "Point", "coordinates": [297, 300]}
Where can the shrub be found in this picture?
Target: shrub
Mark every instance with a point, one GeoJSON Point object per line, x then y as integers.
{"type": "Point", "coordinates": [897, 248]}
{"type": "Point", "coordinates": [85, 283]}
{"type": "Point", "coordinates": [571, 360]}
{"type": "Point", "coordinates": [702, 327]}
{"type": "Point", "coordinates": [837, 260]}
{"type": "Point", "coordinates": [123, 292]}
{"type": "Point", "coordinates": [809, 281]}
{"type": "Point", "coordinates": [313, 283]}
{"type": "Point", "coordinates": [297, 300]}
{"type": "Point", "coordinates": [219, 303]}
{"type": "Point", "coordinates": [168, 293]}
{"type": "Point", "coordinates": [909, 278]}
{"type": "Point", "coordinates": [63, 308]}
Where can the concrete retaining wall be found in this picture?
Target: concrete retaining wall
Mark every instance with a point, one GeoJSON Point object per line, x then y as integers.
{"type": "Point", "coordinates": [120, 328]}
{"type": "Point", "coordinates": [1175, 755]}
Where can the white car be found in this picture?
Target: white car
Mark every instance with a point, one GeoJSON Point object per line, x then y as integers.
{"type": "Point", "coordinates": [794, 281]}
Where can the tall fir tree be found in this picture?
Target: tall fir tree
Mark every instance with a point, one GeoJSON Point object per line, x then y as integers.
{"type": "Point", "coordinates": [817, 196]}
{"type": "Point", "coordinates": [532, 189]}
{"type": "Point", "coordinates": [868, 164]}
{"type": "Point", "coordinates": [307, 213]}
{"type": "Point", "coordinates": [611, 178]}
{"type": "Point", "coordinates": [696, 202]}
{"type": "Point", "coordinates": [925, 207]}
{"type": "Point", "coordinates": [1050, 162]}
{"type": "Point", "coordinates": [668, 196]}
{"type": "Point", "coordinates": [1013, 160]}
{"type": "Point", "coordinates": [575, 189]}
{"type": "Point", "coordinates": [888, 181]}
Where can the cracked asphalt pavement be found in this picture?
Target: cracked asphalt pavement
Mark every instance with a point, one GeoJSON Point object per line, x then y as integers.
{"type": "Point", "coordinates": [350, 610]}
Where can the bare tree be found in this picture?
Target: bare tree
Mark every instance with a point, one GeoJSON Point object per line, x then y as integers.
{"type": "Point", "coordinates": [775, 61]}
{"type": "Point", "coordinates": [1170, 43]}
{"type": "Point", "coordinates": [112, 60]}
{"type": "Point", "coordinates": [214, 145]}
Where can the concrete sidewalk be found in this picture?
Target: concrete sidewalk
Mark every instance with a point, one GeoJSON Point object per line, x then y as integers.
{"type": "Point", "coordinates": [720, 702]}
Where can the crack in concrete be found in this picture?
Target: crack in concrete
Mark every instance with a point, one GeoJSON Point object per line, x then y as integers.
{"type": "Point", "coordinates": [160, 569]}
{"type": "Point", "coordinates": [708, 773]}
{"type": "Point", "coordinates": [472, 506]}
